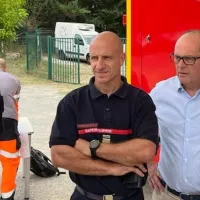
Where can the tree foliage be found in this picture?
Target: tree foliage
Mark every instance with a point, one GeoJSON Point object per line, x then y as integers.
{"type": "Point", "coordinates": [46, 13]}
{"type": "Point", "coordinates": [73, 9]}
{"type": "Point", "coordinates": [12, 16]}
{"type": "Point", "coordinates": [105, 14]}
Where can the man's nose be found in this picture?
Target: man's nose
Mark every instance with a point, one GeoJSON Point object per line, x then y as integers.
{"type": "Point", "coordinates": [100, 63]}
{"type": "Point", "coordinates": [181, 63]}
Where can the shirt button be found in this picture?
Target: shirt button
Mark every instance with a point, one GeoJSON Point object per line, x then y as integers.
{"type": "Point", "coordinates": [186, 180]}
{"type": "Point", "coordinates": [185, 159]}
{"type": "Point", "coordinates": [186, 139]}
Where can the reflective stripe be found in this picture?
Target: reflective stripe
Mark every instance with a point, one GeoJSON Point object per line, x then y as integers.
{"type": "Point", "coordinates": [105, 130]}
{"type": "Point", "coordinates": [7, 194]}
{"type": "Point", "coordinates": [17, 96]}
{"type": "Point", "coordinates": [9, 155]}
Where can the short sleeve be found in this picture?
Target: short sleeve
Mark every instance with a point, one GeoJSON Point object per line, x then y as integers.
{"type": "Point", "coordinates": [146, 124]}
{"type": "Point", "coordinates": [17, 94]}
{"type": "Point", "coordinates": [64, 128]}
{"type": "Point", "coordinates": [154, 95]}
{"type": "Point", "coordinates": [19, 87]}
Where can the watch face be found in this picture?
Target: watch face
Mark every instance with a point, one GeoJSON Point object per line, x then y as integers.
{"type": "Point", "coordinates": [94, 144]}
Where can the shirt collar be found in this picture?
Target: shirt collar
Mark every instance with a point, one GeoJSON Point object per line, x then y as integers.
{"type": "Point", "coordinates": [121, 92]}
{"type": "Point", "coordinates": [179, 85]}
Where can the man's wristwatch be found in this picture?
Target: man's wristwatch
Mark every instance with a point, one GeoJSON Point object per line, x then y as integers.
{"type": "Point", "coordinates": [94, 144]}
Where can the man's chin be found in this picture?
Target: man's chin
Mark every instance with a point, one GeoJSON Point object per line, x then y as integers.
{"type": "Point", "coordinates": [101, 80]}
{"type": "Point", "coordinates": [183, 79]}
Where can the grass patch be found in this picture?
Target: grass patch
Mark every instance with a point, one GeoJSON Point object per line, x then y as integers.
{"type": "Point", "coordinates": [36, 75]}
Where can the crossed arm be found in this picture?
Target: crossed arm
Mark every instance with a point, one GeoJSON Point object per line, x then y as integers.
{"type": "Point", "coordinates": [129, 153]}
{"type": "Point", "coordinates": [116, 159]}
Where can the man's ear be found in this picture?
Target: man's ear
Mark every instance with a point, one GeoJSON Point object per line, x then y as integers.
{"type": "Point", "coordinates": [122, 58]}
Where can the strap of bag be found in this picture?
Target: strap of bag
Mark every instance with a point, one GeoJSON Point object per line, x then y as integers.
{"type": "Point", "coordinates": [48, 160]}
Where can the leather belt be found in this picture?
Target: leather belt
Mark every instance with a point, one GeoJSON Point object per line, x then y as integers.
{"type": "Point", "coordinates": [98, 197]}
{"type": "Point", "coordinates": [183, 196]}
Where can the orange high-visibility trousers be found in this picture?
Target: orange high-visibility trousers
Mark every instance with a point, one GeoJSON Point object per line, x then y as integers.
{"type": "Point", "coordinates": [10, 159]}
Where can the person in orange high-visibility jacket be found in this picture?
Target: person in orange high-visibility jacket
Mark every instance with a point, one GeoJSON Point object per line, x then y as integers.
{"type": "Point", "coordinates": [1, 125]}
{"type": "Point", "coordinates": [9, 137]}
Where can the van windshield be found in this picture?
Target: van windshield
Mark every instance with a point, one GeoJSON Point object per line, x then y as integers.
{"type": "Point", "coordinates": [88, 38]}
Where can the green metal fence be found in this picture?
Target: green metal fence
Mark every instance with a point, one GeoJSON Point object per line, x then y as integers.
{"type": "Point", "coordinates": [33, 49]}
{"type": "Point", "coordinates": [123, 68]}
{"type": "Point", "coordinates": [63, 60]}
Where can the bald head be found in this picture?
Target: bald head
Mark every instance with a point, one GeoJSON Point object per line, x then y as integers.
{"type": "Point", "coordinates": [106, 59]}
{"type": "Point", "coordinates": [191, 37]}
{"type": "Point", "coordinates": [109, 39]}
{"type": "Point", "coordinates": [2, 64]}
{"type": "Point", "coordinates": [192, 32]}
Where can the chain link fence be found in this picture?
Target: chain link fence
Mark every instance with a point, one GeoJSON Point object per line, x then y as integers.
{"type": "Point", "coordinates": [33, 49]}
{"type": "Point", "coordinates": [12, 49]}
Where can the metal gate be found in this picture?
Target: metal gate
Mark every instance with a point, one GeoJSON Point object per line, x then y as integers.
{"type": "Point", "coordinates": [63, 60]}
{"type": "Point", "coordinates": [33, 49]}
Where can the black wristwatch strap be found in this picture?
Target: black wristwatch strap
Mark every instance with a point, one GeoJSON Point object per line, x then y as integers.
{"type": "Point", "coordinates": [93, 153]}
{"type": "Point", "coordinates": [94, 145]}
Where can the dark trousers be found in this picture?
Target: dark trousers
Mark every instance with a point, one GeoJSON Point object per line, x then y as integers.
{"type": "Point", "coordinates": [136, 196]}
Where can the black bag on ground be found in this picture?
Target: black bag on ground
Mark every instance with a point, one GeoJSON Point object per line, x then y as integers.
{"type": "Point", "coordinates": [41, 165]}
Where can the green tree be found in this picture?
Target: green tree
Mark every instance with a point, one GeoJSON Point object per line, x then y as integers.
{"type": "Point", "coordinates": [72, 10]}
{"type": "Point", "coordinates": [12, 16]}
{"type": "Point", "coordinates": [106, 14]}
{"type": "Point", "coordinates": [46, 13]}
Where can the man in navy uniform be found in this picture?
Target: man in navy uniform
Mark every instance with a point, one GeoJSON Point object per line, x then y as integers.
{"type": "Point", "coordinates": [105, 131]}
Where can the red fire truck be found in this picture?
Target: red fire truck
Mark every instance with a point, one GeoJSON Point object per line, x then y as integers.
{"type": "Point", "coordinates": [152, 29]}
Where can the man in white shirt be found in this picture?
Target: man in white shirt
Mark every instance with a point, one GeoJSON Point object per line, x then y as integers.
{"type": "Point", "coordinates": [177, 103]}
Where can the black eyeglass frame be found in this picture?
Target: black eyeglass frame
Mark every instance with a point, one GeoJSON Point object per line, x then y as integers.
{"type": "Point", "coordinates": [184, 59]}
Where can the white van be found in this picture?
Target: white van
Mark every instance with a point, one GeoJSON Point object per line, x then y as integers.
{"type": "Point", "coordinates": [68, 35]}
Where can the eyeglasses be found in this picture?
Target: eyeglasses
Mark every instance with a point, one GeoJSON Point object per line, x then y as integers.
{"type": "Point", "coordinates": [188, 60]}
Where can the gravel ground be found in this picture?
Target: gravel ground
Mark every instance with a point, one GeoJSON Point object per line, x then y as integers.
{"type": "Point", "coordinates": [38, 103]}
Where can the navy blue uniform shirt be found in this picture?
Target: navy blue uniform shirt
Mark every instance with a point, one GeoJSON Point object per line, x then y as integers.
{"type": "Point", "coordinates": [88, 114]}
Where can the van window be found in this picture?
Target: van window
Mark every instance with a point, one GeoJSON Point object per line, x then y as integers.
{"type": "Point", "coordinates": [88, 38]}
{"type": "Point", "coordinates": [78, 40]}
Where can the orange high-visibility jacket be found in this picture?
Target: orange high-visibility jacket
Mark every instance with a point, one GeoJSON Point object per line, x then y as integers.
{"type": "Point", "coordinates": [9, 154]}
